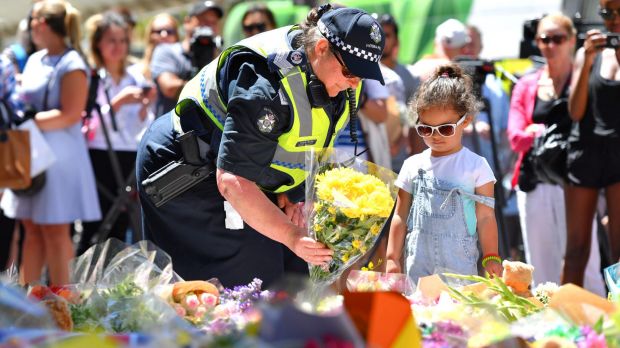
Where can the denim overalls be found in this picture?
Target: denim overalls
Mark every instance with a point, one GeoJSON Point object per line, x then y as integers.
{"type": "Point", "coordinates": [437, 237]}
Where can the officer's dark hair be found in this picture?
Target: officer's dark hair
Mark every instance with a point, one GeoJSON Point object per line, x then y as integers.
{"type": "Point", "coordinates": [97, 26]}
{"type": "Point", "coordinates": [448, 88]}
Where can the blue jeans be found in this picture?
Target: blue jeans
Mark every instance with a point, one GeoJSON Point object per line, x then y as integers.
{"type": "Point", "coordinates": [437, 237]}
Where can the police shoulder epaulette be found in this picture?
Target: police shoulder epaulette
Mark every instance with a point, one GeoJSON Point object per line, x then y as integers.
{"type": "Point", "coordinates": [285, 60]}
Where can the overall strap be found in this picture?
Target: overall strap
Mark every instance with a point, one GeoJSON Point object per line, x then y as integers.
{"type": "Point", "coordinates": [488, 201]}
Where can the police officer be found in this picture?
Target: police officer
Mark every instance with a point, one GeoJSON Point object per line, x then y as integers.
{"type": "Point", "coordinates": [258, 108]}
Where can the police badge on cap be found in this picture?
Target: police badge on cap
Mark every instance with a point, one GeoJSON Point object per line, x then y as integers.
{"type": "Point", "coordinates": [358, 38]}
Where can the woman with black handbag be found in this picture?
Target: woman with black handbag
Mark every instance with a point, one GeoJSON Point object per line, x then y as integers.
{"type": "Point", "coordinates": [539, 101]}
{"type": "Point", "coordinates": [594, 142]}
{"type": "Point", "coordinates": [55, 84]}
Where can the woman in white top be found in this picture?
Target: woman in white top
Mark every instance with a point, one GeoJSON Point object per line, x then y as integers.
{"type": "Point", "coordinates": [123, 95]}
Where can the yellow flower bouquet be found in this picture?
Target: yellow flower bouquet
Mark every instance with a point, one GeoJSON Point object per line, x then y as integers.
{"type": "Point", "coordinates": [350, 201]}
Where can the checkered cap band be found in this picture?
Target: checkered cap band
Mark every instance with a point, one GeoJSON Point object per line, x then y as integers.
{"type": "Point", "coordinates": [356, 51]}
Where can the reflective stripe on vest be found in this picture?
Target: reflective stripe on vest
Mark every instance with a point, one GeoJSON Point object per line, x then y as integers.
{"type": "Point", "coordinates": [309, 126]}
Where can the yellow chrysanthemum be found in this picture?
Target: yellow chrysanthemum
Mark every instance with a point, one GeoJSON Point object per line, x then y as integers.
{"type": "Point", "coordinates": [357, 194]}
{"type": "Point", "coordinates": [356, 244]}
{"type": "Point", "coordinates": [374, 229]}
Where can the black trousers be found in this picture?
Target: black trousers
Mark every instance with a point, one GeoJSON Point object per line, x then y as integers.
{"type": "Point", "coordinates": [192, 230]}
{"type": "Point", "coordinates": [104, 176]}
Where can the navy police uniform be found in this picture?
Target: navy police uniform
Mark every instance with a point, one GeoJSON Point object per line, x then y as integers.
{"type": "Point", "coordinates": [248, 106]}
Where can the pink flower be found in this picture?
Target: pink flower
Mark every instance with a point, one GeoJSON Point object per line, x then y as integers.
{"type": "Point", "coordinates": [180, 310]}
{"type": "Point", "coordinates": [200, 312]}
{"type": "Point", "coordinates": [191, 302]}
{"type": "Point", "coordinates": [208, 300]}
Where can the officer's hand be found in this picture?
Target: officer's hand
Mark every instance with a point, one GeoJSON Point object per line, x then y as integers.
{"type": "Point", "coordinates": [311, 251]}
{"type": "Point", "coordinates": [294, 211]}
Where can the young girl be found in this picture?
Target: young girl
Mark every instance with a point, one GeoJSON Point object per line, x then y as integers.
{"type": "Point", "coordinates": [445, 191]}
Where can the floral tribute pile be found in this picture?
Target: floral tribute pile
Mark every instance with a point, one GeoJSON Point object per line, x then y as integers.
{"type": "Point", "coordinates": [149, 307]}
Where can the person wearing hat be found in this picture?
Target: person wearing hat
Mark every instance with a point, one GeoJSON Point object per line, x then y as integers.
{"type": "Point", "coordinates": [257, 109]}
{"type": "Point", "coordinates": [171, 65]}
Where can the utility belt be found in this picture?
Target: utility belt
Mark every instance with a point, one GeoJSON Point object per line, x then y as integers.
{"type": "Point", "coordinates": [179, 176]}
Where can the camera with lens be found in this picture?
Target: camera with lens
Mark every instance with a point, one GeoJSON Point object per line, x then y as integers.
{"type": "Point", "coordinates": [478, 69]}
{"type": "Point", "coordinates": [612, 40]}
{"type": "Point", "coordinates": [204, 46]}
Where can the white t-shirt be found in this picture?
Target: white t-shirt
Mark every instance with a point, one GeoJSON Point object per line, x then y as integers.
{"type": "Point", "coordinates": [463, 169]}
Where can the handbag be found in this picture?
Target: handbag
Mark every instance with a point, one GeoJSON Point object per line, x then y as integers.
{"type": "Point", "coordinates": [14, 152]}
{"type": "Point", "coordinates": [549, 153]}
{"type": "Point", "coordinates": [527, 179]}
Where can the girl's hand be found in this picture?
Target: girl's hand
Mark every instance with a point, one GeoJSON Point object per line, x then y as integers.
{"type": "Point", "coordinates": [392, 266]}
{"type": "Point", "coordinates": [494, 268]}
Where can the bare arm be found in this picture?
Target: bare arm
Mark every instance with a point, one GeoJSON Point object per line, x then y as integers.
{"type": "Point", "coordinates": [266, 218]}
{"type": "Point", "coordinates": [170, 84]}
{"type": "Point", "coordinates": [73, 90]}
{"type": "Point", "coordinates": [398, 230]}
{"type": "Point", "coordinates": [578, 98]}
{"type": "Point", "coordinates": [487, 228]}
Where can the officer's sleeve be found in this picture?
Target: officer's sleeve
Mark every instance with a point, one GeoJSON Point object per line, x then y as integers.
{"type": "Point", "coordinates": [255, 118]}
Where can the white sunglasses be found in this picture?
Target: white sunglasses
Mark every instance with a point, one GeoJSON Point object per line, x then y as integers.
{"type": "Point", "coordinates": [445, 130]}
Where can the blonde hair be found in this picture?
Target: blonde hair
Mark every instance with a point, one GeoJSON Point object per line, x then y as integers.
{"type": "Point", "coordinates": [560, 19]}
{"type": "Point", "coordinates": [150, 45]}
{"type": "Point", "coordinates": [63, 19]}
{"type": "Point", "coordinates": [96, 26]}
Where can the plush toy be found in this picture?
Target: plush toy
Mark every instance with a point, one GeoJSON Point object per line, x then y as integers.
{"type": "Point", "coordinates": [518, 276]}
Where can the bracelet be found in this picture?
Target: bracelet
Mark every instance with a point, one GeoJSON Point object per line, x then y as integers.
{"type": "Point", "coordinates": [491, 257]}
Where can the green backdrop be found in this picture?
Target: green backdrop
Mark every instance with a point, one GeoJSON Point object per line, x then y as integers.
{"type": "Point", "coordinates": [417, 19]}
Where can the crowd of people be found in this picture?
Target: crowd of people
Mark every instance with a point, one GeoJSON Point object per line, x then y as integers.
{"type": "Point", "coordinates": [426, 117]}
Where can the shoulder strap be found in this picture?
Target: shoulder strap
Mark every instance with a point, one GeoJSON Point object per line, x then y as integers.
{"type": "Point", "coordinates": [49, 81]}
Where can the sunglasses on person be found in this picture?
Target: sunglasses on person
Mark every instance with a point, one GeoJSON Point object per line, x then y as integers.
{"type": "Point", "coordinates": [608, 14]}
{"type": "Point", "coordinates": [250, 28]}
{"type": "Point", "coordinates": [445, 130]}
{"type": "Point", "coordinates": [164, 30]}
{"type": "Point", "coordinates": [557, 39]}
{"type": "Point", "coordinates": [344, 70]}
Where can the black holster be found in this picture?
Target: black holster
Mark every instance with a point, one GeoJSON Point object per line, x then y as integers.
{"type": "Point", "coordinates": [179, 176]}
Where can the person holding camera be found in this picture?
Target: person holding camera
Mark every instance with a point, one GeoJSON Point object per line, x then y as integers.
{"type": "Point", "coordinates": [174, 64]}
{"type": "Point", "coordinates": [123, 96]}
{"type": "Point", "coordinates": [256, 110]}
{"type": "Point", "coordinates": [539, 101]}
{"type": "Point", "coordinates": [54, 86]}
{"type": "Point", "coordinates": [593, 155]}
